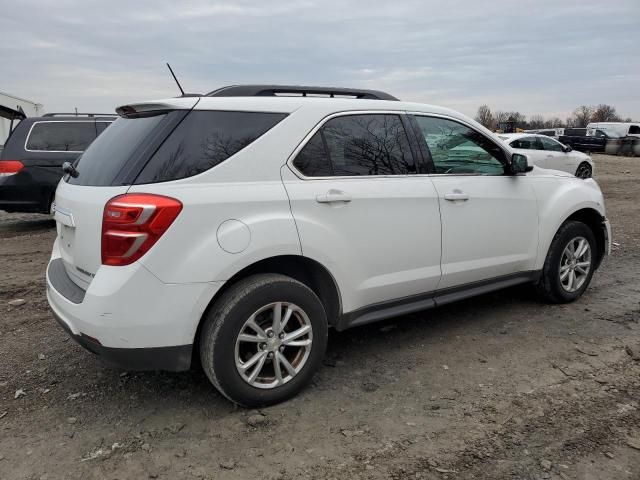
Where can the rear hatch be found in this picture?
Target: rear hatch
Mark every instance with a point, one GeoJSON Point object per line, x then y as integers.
{"type": "Point", "coordinates": [107, 169]}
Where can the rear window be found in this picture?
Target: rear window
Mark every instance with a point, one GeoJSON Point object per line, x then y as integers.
{"type": "Point", "coordinates": [61, 136]}
{"type": "Point", "coordinates": [106, 157]}
{"type": "Point", "coordinates": [203, 140]}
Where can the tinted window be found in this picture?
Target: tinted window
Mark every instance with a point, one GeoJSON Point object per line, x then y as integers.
{"type": "Point", "coordinates": [634, 130]}
{"type": "Point", "coordinates": [550, 145]}
{"type": "Point", "coordinates": [61, 136]}
{"type": "Point", "coordinates": [101, 126]}
{"type": "Point", "coordinates": [373, 144]}
{"type": "Point", "coordinates": [104, 159]}
{"type": "Point", "coordinates": [313, 160]}
{"type": "Point", "coordinates": [456, 148]}
{"type": "Point", "coordinates": [203, 140]}
{"type": "Point", "coordinates": [575, 132]}
{"type": "Point", "coordinates": [526, 143]}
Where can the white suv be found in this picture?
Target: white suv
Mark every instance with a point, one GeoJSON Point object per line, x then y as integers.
{"type": "Point", "coordinates": [235, 228]}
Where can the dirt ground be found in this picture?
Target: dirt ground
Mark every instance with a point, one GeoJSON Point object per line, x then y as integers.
{"type": "Point", "coordinates": [499, 386]}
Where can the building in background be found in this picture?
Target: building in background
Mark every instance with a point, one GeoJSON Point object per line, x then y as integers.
{"type": "Point", "coordinates": [12, 110]}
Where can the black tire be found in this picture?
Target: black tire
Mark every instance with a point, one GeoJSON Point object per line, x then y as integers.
{"type": "Point", "coordinates": [549, 286]}
{"type": "Point", "coordinates": [584, 170]}
{"type": "Point", "coordinates": [225, 320]}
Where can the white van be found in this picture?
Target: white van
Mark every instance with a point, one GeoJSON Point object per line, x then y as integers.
{"type": "Point", "coordinates": [615, 129]}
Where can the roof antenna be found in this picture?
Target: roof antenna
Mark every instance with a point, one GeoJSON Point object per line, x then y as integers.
{"type": "Point", "coordinates": [180, 87]}
{"type": "Point", "coordinates": [176, 79]}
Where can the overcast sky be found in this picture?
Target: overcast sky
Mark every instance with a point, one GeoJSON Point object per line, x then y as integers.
{"type": "Point", "coordinates": [544, 57]}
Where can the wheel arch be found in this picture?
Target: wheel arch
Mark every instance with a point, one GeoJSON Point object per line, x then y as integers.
{"type": "Point", "coordinates": [304, 269]}
{"type": "Point", "coordinates": [587, 214]}
{"type": "Point", "coordinates": [594, 220]}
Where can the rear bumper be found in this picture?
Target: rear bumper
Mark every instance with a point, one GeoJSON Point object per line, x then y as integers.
{"type": "Point", "coordinates": [129, 317]}
{"type": "Point", "coordinates": [173, 359]}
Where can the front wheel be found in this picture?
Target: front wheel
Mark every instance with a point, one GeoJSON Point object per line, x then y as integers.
{"type": "Point", "coordinates": [584, 170]}
{"type": "Point", "coordinates": [569, 265]}
{"type": "Point", "coordinates": [263, 340]}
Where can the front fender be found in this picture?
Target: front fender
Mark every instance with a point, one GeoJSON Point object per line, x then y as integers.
{"type": "Point", "coordinates": [558, 199]}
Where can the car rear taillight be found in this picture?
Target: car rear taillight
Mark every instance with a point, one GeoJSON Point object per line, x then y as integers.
{"type": "Point", "coordinates": [10, 167]}
{"type": "Point", "coordinates": [133, 223]}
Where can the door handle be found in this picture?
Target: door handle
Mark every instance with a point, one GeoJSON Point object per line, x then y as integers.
{"type": "Point", "coordinates": [333, 196]}
{"type": "Point", "coordinates": [457, 196]}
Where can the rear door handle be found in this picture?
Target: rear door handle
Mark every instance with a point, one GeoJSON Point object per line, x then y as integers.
{"type": "Point", "coordinates": [333, 196]}
{"type": "Point", "coordinates": [457, 196]}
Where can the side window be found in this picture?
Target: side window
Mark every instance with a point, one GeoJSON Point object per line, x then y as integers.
{"type": "Point", "coordinates": [456, 148]}
{"type": "Point", "coordinates": [374, 144]}
{"type": "Point", "coordinates": [526, 143]}
{"type": "Point", "coordinates": [61, 136]}
{"type": "Point", "coordinates": [634, 130]}
{"type": "Point", "coordinates": [313, 159]}
{"type": "Point", "coordinates": [203, 140]}
{"type": "Point", "coordinates": [101, 126]}
{"type": "Point", "coordinates": [550, 145]}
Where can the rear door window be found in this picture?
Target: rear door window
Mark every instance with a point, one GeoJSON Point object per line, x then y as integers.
{"type": "Point", "coordinates": [61, 136]}
{"type": "Point", "coordinates": [526, 143]}
{"type": "Point", "coordinates": [203, 140]}
{"type": "Point", "coordinates": [313, 159]}
{"type": "Point", "coordinates": [353, 145]}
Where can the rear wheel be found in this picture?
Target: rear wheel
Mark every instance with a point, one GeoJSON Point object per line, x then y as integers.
{"type": "Point", "coordinates": [263, 340]}
{"type": "Point", "coordinates": [569, 265]}
{"type": "Point", "coordinates": [584, 170]}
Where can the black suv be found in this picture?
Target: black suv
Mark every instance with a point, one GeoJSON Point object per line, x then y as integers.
{"type": "Point", "coordinates": [32, 158]}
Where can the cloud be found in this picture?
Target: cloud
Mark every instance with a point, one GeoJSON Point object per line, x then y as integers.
{"type": "Point", "coordinates": [547, 57]}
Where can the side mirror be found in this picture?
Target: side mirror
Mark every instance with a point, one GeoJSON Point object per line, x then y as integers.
{"type": "Point", "coordinates": [566, 148]}
{"type": "Point", "coordinates": [520, 164]}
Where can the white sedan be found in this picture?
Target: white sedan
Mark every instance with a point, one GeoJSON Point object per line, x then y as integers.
{"type": "Point", "coordinates": [547, 152]}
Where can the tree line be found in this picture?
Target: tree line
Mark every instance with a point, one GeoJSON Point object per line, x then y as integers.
{"type": "Point", "coordinates": [580, 117]}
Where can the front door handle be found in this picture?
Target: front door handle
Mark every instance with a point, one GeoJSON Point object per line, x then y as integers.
{"type": "Point", "coordinates": [333, 196]}
{"type": "Point", "coordinates": [456, 196]}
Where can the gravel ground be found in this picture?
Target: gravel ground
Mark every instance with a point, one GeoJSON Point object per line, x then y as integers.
{"type": "Point", "coordinates": [497, 387]}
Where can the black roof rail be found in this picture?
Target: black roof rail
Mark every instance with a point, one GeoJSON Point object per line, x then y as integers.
{"type": "Point", "coordinates": [59, 114]}
{"type": "Point", "coordinates": [283, 90]}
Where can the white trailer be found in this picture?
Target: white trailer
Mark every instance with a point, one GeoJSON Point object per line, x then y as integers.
{"type": "Point", "coordinates": [12, 110]}
{"type": "Point", "coordinates": [618, 129]}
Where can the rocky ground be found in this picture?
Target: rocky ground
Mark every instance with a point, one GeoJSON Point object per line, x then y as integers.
{"type": "Point", "coordinates": [497, 387]}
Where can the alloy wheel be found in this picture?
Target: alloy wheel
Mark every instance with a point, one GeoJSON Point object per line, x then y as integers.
{"type": "Point", "coordinates": [273, 345]}
{"type": "Point", "coordinates": [575, 264]}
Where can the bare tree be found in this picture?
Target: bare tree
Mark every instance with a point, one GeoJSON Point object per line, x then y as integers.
{"type": "Point", "coordinates": [485, 118]}
{"type": "Point", "coordinates": [628, 120]}
{"type": "Point", "coordinates": [570, 122]}
{"type": "Point", "coordinates": [501, 116]}
{"type": "Point", "coordinates": [555, 122]}
{"type": "Point", "coordinates": [605, 113]}
{"type": "Point", "coordinates": [537, 121]}
{"type": "Point", "coordinates": [582, 115]}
